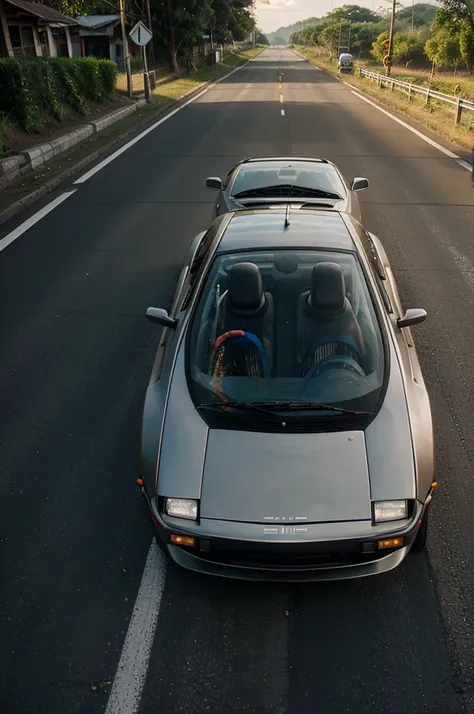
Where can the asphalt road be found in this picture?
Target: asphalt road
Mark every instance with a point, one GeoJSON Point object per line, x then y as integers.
{"type": "Point", "coordinates": [75, 357]}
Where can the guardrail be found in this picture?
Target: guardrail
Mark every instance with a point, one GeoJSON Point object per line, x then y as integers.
{"type": "Point", "coordinates": [426, 93]}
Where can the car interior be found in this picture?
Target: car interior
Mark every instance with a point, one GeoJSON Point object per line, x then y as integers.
{"type": "Point", "coordinates": [288, 316]}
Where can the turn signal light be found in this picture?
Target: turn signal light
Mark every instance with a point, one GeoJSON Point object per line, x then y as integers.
{"type": "Point", "coordinates": [390, 543]}
{"type": "Point", "coordinates": [183, 540]}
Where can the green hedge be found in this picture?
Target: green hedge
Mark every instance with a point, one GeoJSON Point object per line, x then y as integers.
{"type": "Point", "coordinates": [41, 88]}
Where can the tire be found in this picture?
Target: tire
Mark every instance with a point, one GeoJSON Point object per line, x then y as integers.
{"type": "Point", "coordinates": [421, 537]}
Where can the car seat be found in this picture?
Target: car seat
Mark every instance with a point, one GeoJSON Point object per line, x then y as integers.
{"type": "Point", "coordinates": [244, 326]}
{"type": "Point", "coordinates": [328, 331]}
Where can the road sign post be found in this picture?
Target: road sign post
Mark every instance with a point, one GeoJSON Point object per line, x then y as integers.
{"type": "Point", "coordinates": [141, 36]}
{"type": "Point", "coordinates": [125, 52]}
{"type": "Point", "coordinates": [146, 78]}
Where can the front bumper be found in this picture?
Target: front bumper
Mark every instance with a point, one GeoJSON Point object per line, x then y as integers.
{"type": "Point", "coordinates": [189, 560]}
{"type": "Point", "coordinates": [286, 560]}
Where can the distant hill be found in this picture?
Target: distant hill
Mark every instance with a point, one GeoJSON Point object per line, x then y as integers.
{"type": "Point", "coordinates": [284, 33]}
{"type": "Point", "coordinates": [423, 15]}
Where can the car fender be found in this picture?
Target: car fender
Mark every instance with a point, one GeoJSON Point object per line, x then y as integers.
{"type": "Point", "coordinates": [151, 432]}
{"type": "Point", "coordinates": [419, 407]}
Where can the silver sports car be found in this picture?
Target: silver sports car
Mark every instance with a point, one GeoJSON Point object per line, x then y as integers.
{"type": "Point", "coordinates": [287, 430]}
{"type": "Point", "coordinates": [259, 182]}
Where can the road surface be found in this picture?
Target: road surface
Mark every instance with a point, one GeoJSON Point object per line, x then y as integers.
{"type": "Point", "coordinates": [75, 357]}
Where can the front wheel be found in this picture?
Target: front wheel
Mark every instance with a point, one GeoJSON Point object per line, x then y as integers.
{"type": "Point", "coordinates": [420, 541]}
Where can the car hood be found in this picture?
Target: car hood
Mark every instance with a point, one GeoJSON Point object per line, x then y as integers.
{"type": "Point", "coordinates": [260, 478]}
{"type": "Point", "coordinates": [254, 477]}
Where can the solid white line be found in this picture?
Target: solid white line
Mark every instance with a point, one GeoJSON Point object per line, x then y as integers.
{"type": "Point", "coordinates": [4, 242]}
{"type": "Point", "coordinates": [465, 164]}
{"type": "Point", "coordinates": [435, 144]}
{"type": "Point", "coordinates": [85, 177]}
{"type": "Point", "coordinates": [283, 112]}
{"type": "Point", "coordinates": [132, 669]}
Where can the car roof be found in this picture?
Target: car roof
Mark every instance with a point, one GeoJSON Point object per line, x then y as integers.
{"type": "Point", "coordinates": [265, 229]}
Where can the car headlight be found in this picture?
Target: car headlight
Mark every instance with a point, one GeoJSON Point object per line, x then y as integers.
{"type": "Point", "coordinates": [182, 508]}
{"type": "Point", "coordinates": [390, 511]}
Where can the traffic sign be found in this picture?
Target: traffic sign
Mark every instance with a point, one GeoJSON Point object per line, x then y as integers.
{"type": "Point", "coordinates": [140, 34]}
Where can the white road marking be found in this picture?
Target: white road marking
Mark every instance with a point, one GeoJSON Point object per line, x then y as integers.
{"type": "Point", "coordinates": [465, 164]}
{"type": "Point", "coordinates": [85, 177]}
{"type": "Point", "coordinates": [26, 225]}
{"type": "Point", "coordinates": [132, 669]}
{"type": "Point", "coordinates": [435, 144]}
{"type": "Point", "coordinates": [282, 112]}
{"type": "Point", "coordinates": [464, 264]}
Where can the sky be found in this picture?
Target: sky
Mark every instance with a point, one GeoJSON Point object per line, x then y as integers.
{"type": "Point", "coordinates": [272, 14]}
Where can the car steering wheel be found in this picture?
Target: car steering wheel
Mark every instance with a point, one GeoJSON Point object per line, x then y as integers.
{"type": "Point", "coordinates": [242, 337]}
{"type": "Point", "coordinates": [336, 362]}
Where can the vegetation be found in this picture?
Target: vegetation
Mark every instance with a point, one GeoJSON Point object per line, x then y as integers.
{"type": "Point", "coordinates": [424, 35]}
{"type": "Point", "coordinates": [178, 25]}
{"type": "Point", "coordinates": [35, 90]}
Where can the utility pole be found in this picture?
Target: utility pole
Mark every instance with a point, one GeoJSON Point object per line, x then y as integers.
{"type": "Point", "coordinates": [349, 39]}
{"type": "Point", "coordinates": [126, 55]}
{"type": "Point", "coordinates": [151, 55]}
{"type": "Point", "coordinates": [413, 15]}
{"type": "Point", "coordinates": [390, 40]}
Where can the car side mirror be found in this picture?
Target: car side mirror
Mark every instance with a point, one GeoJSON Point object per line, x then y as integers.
{"type": "Point", "coordinates": [412, 317]}
{"type": "Point", "coordinates": [358, 184]}
{"type": "Point", "coordinates": [160, 316]}
{"type": "Point", "coordinates": [214, 183]}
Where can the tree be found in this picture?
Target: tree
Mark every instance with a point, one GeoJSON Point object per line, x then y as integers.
{"type": "Point", "coordinates": [261, 38]}
{"type": "Point", "coordinates": [178, 25]}
{"type": "Point", "coordinates": [466, 46]}
{"type": "Point", "coordinates": [378, 51]}
{"type": "Point", "coordinates": [75, 8]}
{"type": "Point", "coordinates": [452, 38]}
{"type": "Point", "coordinates": [354, 12]}
{"type": "Point", "coordinates": [364, 34]}
{"type": "Point", "coordinates": [408, 47]}
{"type": "Point", "coordinates": [443, 49]}
{"type": "Point", "coordinates": [461, 9]}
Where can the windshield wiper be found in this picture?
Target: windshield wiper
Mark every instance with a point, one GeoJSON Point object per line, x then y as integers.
{"type": "Point", "coordinates": [283, 190]}
{"type": "Point", "coordinates": [270, 407]}
{"type": "Point", "coordinates": [258, 406]}
{"type": "Point", "coordinates": [310, 406]}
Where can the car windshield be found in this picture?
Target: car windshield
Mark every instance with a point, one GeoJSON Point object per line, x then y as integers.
{"type": "Point", "coordinates": [279, 176]}
{"type": "Point", "coordinates": [286, 326]}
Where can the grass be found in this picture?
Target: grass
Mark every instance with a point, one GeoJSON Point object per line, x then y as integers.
{"type": "Point", "coordinates": [162, 74]}
{"type": "Point", "coordinates": [174, 90]}
{"type": "Point", "coordinates": [436, 117]}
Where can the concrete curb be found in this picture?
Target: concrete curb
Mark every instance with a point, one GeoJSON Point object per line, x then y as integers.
{"type": "Point", "coordinates": [33, 158]}
{"type": "Point", "coordinates": [31, 198]}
